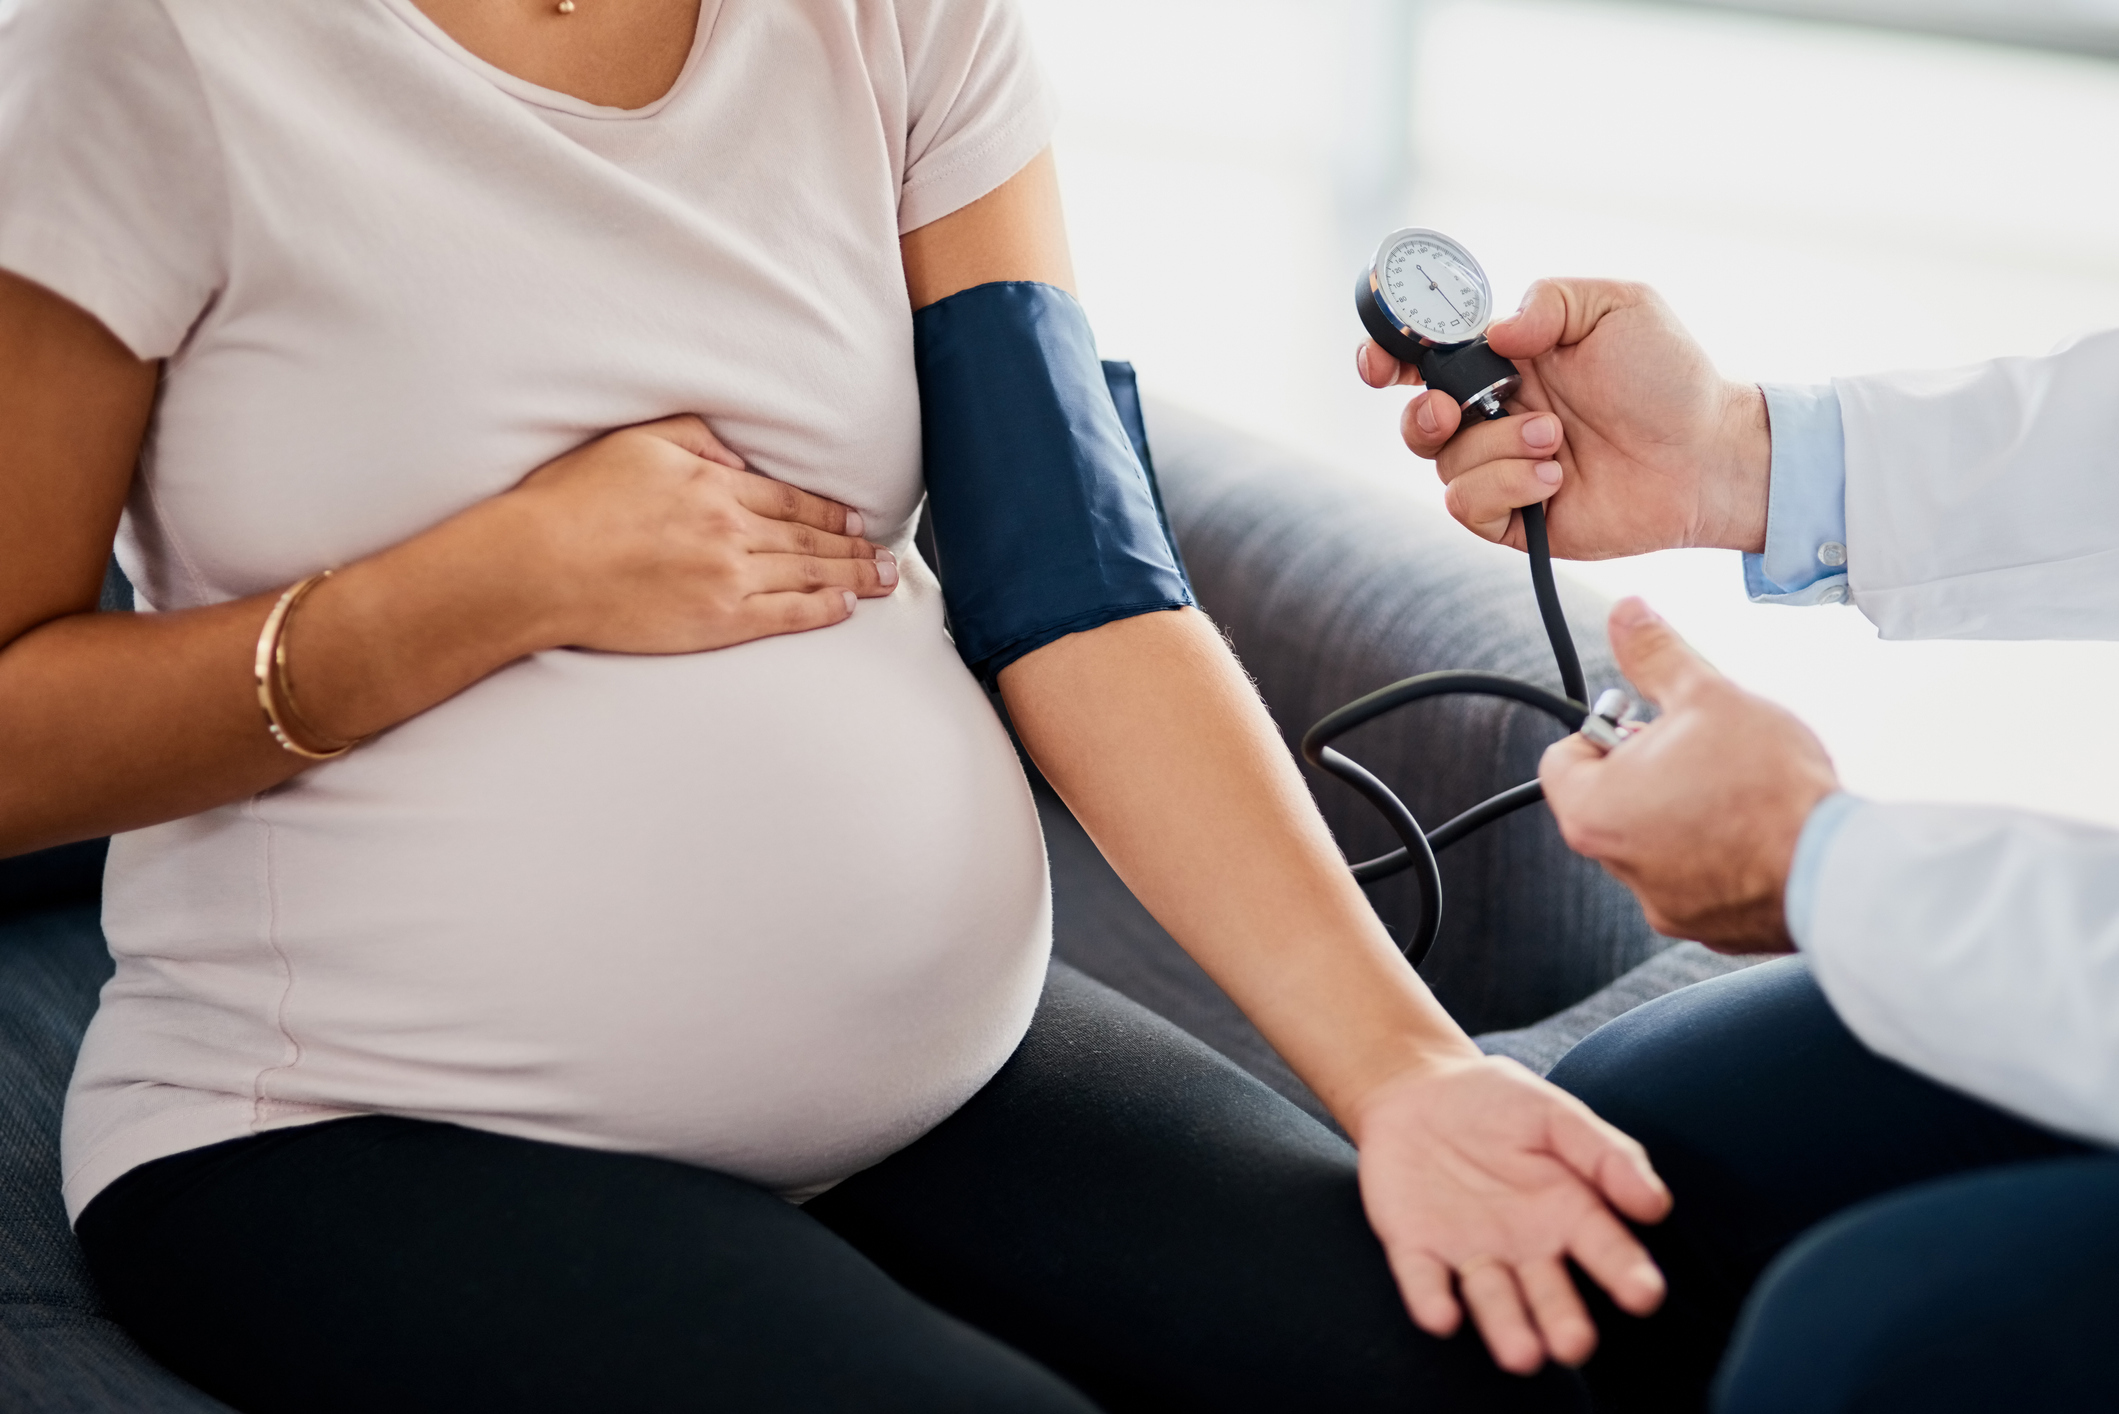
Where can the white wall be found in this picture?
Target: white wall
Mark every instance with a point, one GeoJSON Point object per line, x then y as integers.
{"type": "Point", "coordinates": [1812, 199]}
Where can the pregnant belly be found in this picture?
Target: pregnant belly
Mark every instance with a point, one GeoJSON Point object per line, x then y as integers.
{"type": "Point", "coordinates": [775, 909]}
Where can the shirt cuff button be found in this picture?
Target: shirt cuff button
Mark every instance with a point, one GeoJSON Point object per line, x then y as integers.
{"type": "Point", "coordinates": [1835, 594]}
{"type": "Point", "coordinates": [1832, 554]}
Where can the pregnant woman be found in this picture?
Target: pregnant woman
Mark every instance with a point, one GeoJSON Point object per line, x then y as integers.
{"type": "Point", "coordinates": [590, 951]}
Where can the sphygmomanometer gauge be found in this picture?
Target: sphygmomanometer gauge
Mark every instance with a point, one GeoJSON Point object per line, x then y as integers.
{"type": "Point", "coordinates": [1426, 301]}
{"type": "Point", "coordinates": [1433, 287]}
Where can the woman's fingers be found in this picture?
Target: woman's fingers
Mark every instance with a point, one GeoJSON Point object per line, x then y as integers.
{"type": "Point", "coordinates": [787, 537]}
{"type": "Point", "coordinates": [1489, 1289]}
{"type": "Point", "coordinates": [776, 500]}
{"type": "Point", "coordinates": [871, 579]}
{"type": "Point", "coordinates": [1423, 1280]}
{"type": "Point", "coordinates": [1557, 1307]}
{"type": "Point", "coordinates": [1613, 1161]}
{"type": "Point", "coordinates": [1616, 1261]}
{"type": "Point", "coordinates": [766, 615]}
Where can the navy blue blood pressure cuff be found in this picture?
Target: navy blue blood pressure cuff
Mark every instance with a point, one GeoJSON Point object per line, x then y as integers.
{"type": "Point", "coordinates": [1046, 518]}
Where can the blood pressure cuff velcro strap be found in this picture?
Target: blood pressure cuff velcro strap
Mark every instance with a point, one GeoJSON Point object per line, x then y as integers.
{"type": "Point", "coordinates": [1045, 521]}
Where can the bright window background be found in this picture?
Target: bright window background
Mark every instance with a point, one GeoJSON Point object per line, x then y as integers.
{"type": "Point", "coordinates": [1812, 198]}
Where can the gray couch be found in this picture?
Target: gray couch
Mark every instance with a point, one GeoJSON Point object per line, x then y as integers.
{"type": "Point", "coordinates": [1329, 583]}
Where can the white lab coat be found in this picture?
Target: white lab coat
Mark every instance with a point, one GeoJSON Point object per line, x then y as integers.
{"type": "Point", "coordinates": [1981, 946]}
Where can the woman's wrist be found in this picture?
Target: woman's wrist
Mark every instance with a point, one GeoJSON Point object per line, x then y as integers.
{"type": "Point", "coordinates": [510, 570]}
{"type": "Point", "coordinates": [1388, 1087]}
{"type": "Point", "coordinates": [1401, 1036]}
{"type": "Point", "coordinates": [391, 635]}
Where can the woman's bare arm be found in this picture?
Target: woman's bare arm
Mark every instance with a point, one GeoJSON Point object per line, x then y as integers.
{"type": "Point", "coordinates": [1151, 732]}
{"type": "Point", "coordinates": [649, 540]}
{"type": "Point", "coordinates": [105, 720]}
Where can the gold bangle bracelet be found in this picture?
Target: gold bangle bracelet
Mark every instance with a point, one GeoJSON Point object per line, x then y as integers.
{"type": "Point", "coordinates": [271, 669]}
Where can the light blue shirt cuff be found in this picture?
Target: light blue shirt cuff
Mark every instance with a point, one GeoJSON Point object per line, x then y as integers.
{"type": "Point", "coordinates": [1806, 502]}
{"type": "Point", "coordinates": [1800, 899]}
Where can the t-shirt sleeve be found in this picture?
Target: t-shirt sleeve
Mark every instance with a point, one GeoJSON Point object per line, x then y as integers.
{"type": "Point", "coordinates": [111, 185]}
{"type": "Point", "coordinates": [979, 108]}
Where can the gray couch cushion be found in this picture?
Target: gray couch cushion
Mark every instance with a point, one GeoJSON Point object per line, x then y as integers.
{"type": "Point", "coordinates": [51, 965]}
{"type": "Point", "coordinates": [58, 1354]}
{"type": "Point", "coordinates": [1541, 1046]}
{"type": "Point", "coordinates": [58, 1362]}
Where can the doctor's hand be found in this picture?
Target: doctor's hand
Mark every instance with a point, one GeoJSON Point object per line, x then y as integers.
{"type": "Point", "coordinates": [1699, 811]}
{"type": "Point", "coordinates": [1622, 427]}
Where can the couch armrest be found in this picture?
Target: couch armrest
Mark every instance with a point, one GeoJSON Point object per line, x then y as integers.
{"type": "Point", "coordinates": [1332, 583]}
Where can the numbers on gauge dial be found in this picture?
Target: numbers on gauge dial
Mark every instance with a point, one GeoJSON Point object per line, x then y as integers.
{"type": "Point", "coordinates": [1429, 286]}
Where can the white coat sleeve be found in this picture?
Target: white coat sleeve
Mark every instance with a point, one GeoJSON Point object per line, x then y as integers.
{"type": "Point", "coordinates": [1977, 946]}
{"type": "Point", "coordinates": [1984, 502]}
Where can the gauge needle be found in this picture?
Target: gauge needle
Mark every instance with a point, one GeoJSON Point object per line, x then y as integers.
{"type": "Point", "coordinates": [1438, 290]}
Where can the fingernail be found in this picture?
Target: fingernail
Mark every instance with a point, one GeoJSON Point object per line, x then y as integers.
{"type": "Point", "coordinates": [1549, 473]}
{"type": "Point", "coordinates": [851, 599]}
{"type": "Point", "coordinates": [884, 554]}
{"type": "Point", "coordinates": [855, 526]}
{"type": "Point", "coordinates": [1361, 361]}
{"type": "Point", "coordinates": [1541, 432]}
{"type": "Point", "coordinates": [1633, 613]}
{"type": "Point", "coordinates": [1424, 415]}
{"type": "Point", "coordinates": [886, 571]}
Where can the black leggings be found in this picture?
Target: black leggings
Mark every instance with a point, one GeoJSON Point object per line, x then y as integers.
{"type": "Point", "coordinates": [1120, 1214]}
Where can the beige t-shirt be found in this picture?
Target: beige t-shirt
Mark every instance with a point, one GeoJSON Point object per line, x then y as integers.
{"type": "Point", "coordinates": [775, 909]}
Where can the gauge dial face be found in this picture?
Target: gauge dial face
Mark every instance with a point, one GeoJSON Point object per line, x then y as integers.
{"type": "Point", "coordinates": [1433, 286]}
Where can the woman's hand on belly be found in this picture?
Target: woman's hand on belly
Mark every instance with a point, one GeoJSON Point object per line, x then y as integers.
{"type": "Point", "coordinates": [656, 539]}
{"type": "Point", "coordinates": [650, 539]}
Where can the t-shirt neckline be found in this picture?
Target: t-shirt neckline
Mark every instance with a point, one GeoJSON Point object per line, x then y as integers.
{"type": "Point", "coordinates": [552, 98]}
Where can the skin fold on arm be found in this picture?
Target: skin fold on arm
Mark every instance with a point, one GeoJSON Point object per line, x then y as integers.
{"type": "Point", "coordinates": [1148, 727]}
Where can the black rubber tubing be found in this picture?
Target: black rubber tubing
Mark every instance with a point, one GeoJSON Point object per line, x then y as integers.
{"type": "Point", "coordinates": [1418, 847]}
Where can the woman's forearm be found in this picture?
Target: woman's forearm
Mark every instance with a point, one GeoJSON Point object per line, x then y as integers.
{"type": "Point", "coordinates": [1155, 738]}
{"type": "Point", "coordinates": [650, 539]}
{"type": "Point", "coordinates": [115, 721]}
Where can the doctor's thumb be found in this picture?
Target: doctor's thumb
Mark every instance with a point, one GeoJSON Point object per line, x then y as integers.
{"type": "Point", "coordinates": [1652, 655]}
{"type": "Point", "coordinates": [1559, 312]}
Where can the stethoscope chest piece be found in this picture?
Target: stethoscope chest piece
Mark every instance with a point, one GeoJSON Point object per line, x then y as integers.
{"type": "Point", "coordinates": [1426, 301]}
